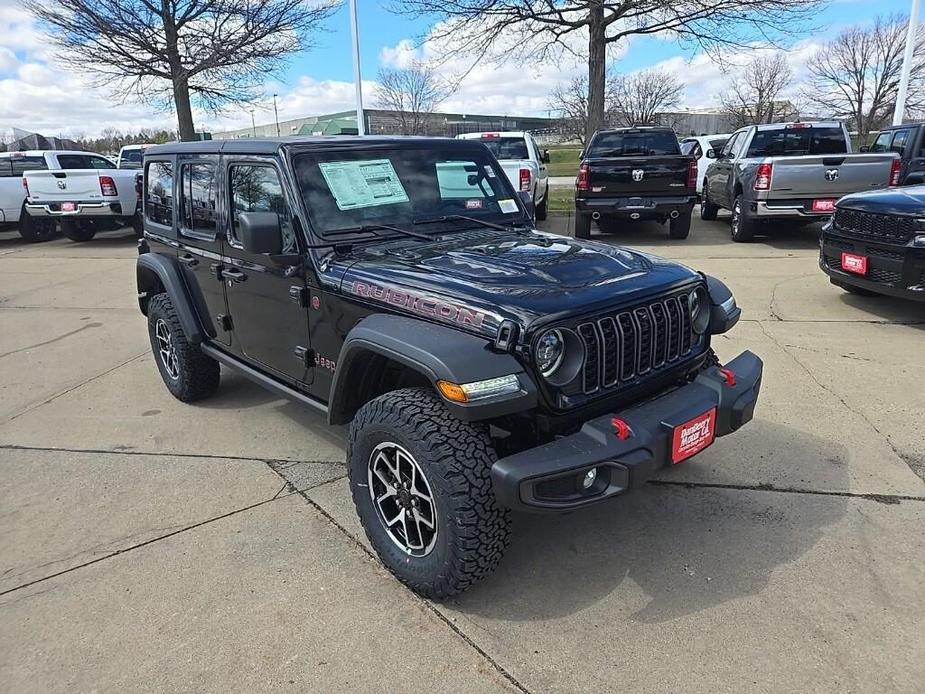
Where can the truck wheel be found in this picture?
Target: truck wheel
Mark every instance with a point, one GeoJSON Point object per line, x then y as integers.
{"type": "Point", "coordinates": [742, 226]}
{"type": "Point", "coordinates": [542, 209]}
{"type": "Point", "coordinates": [582, 226]}
{"type": "Point", "coordinates": [188, 373]}
{"type": "Point", "coordinates": [35, 229]}
{"type": "Point", "coordinates": [680, 228]}
{"type": "Point", "coordinates": [421, 483]}
{"type": "Point", "coordinates": [708, 210]}
{"type": "Point", "coordinates": [78, 230]}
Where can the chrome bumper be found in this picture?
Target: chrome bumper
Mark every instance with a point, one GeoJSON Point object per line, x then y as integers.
{"type": "Point", "coordinates": [82, 209]}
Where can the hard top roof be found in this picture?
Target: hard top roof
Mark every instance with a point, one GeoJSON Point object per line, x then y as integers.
{"type": "Point", "coordinates": [271, 145]}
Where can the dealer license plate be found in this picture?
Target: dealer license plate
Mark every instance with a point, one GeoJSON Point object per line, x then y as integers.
{"type": "Point", "coordinates": [823, 205]}
{"type": "Point", "coordinates": [693, 436]}
{"type": "Point", "coordinates": [68, 206]}
{"type": "Point", "coordinates": [852, 262]}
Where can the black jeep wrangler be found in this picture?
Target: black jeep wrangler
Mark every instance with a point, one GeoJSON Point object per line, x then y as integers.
{"type": "Point", "coordinates": [398, 285]}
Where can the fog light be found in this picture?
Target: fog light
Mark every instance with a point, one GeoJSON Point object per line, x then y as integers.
{"type": "Point", "coordinates": [589, 478]}
{"type": "Point", "coordinates": [919, 240]}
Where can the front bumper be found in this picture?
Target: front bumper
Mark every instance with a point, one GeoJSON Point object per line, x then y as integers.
{"type": "Point", "coordinates": [893, 269]}
{"type": "Point", "coordinates": [82, 209]}
{"type": "Point", "coordinates": [546, 478]}
{"type": "Point", "coordinates": [643, 207]}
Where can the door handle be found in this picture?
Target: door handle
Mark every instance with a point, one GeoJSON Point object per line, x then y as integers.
{"type": "Point", "coordinates": [233, 275]}
{"type": "Point", "coordinates": [189, 260]}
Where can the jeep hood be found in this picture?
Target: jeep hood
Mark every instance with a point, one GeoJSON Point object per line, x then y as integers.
{"type": "Point", "coordinates": [524, 277]}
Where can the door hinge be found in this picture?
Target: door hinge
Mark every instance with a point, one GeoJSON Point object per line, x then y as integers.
{"type": "Point", "coordinates": [306, 355]}
{"type": "Point", "coordinates": [224, 320]}
{"type": "Point", "coordinates": [299, 295]}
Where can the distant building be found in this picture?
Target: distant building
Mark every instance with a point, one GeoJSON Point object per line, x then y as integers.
{"type": "Point", "coordinates": [382, 122]}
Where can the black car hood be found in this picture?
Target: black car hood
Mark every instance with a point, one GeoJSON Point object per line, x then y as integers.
{"type": "Point", "coordinates": [479, 279]}
{"type": "Point", "coordinates": [908, 200]}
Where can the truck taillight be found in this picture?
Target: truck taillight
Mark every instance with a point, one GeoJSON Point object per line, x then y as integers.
{"type": "Point", "coordinates": [763, 177]}
{"type": "Point", "coordinates": [895, 166]}
{"type": "Point", "coordinates": [692, 174]}
{"type": "Point", "coordinates": [525, 179]}
{"type": "Point", "coordinates": [581, 181]}
{"type": "Point", "coordinates": [25, 186]}
{"type": "Point", "coordinates": [108, 186]}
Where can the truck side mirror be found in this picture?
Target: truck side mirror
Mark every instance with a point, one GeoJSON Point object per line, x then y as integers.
{"type": "Point", "coordinates": [711, 154]}
{"type": "Point", "coordinates": [545, 156]}
{"type": "Point", "coordinates": [864, 148]}
{"type": "Point", "coordinates": [527, 199]}
{"type": "Point", "coordinates": [260, 232]}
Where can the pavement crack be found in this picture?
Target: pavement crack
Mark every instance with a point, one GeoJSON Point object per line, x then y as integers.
{"type": "Point", "coordinates": [88, 326]}
{"type": "Point", "coordinates": [425, 604]}
{"type": "Point", "coordinates": [869, 496]}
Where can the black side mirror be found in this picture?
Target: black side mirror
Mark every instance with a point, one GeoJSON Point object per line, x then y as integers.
{"type": "Point", "coordinates": [711, 154]}
{"type": "Point", "coordinates": [260, 232]}
{"type": "Point", "coordinates": [864, 148]}
{"type": "Point", "coordinates": [527, 199]}
{"type": "Point", "coordinates": [546, 156]}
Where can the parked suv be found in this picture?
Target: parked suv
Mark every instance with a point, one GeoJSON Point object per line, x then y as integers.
{"type": "Point", "coordinates": [631, 174]}
{"type": "Point", "coordinates": [397, 285]}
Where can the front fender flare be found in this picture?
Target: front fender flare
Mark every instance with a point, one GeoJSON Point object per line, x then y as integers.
{"type": "Point", "coordinates": [437, 353]}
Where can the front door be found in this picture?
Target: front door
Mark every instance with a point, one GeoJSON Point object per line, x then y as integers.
{"type": "Point", "coordinates": [270, 326]}
{"type": "Point", "coordinates": [721, 173]}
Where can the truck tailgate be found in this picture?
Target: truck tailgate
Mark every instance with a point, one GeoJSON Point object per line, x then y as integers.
{"type": "Point", "coordinates": [55, 186]}
{"type": "Point", "coordinates": [512, 169]}
{"type": "Point", "coordinates": [632, 176]}
{"type": "Point", "coordinates": [828, 176]}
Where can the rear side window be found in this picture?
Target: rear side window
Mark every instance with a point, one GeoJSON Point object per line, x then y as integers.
{"type": "Point", "coordinates": [899, 142]}
{"type": "Point", "coordinates": [198, 211]}
{"type": "Point", "coordinates": [634, 144]}
{"type": "Point", "coordinates": [717, 144]}
{"type": "Point", "coordinates": [797, 141]}
{"type": "Point", "coordinates": [159, 192]}
{"type": "Point", "coordinates": [83, 161]}
{"type": "Point", "coordinates": [507, 147]}
{"type": "Point", "coordinates": [131, 159]}
{"type": "Point", "coordinates": [257, 188]}
{"type": "Point", "coordinates": [20, 165]}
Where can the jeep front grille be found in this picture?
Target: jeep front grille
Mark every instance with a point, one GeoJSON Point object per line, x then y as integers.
{"type": "Point", "coordinates": [622, 347]}
{"type": "Point", "coordinates": [876, 227]}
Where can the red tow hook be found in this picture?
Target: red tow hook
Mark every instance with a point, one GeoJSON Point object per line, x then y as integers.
{"type": "Point", "coordinates": [623, 430]}
{"type": "Point", "coordinates": [729, 376]}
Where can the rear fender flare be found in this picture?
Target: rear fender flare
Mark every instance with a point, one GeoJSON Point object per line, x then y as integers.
{"type": "Point", "coordinates": [166, 271]}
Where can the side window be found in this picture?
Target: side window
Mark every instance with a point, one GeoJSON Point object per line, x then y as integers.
{"type": "Point", "coordinates": [739, 144]}
{"type": "Point", "coordinates": [6, 167]}
{"type": "Point", "coordinates": [256, 188]}
{"type": "Point", "coordinates": [198, 195]}
{"type": "Point", "coordinates": [159, 192]}
{"type": "Point", "coordinates": [882, 143]}
{"type": "Point", "coordinates": [730, 143]}
{"type": "Point", "coordinates": [23, 164]}
{"type": "Point", "coordinates": [697, 152]}
{"type": "Point", "coordinates": [899, 141]}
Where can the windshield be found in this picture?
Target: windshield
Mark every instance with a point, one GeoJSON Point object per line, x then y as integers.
{"type": "Point", "coordinates": [634, 144]}
{"type": "Point", "coordinates": [796, 141]}
{"type": "Point", "coordinates": [507, 147]}
{"type": "Point", "coordinates": [397, 186]}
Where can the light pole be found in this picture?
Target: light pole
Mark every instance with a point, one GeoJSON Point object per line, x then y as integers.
{"type": "Point", "coordinates": [355, 33]}
{"type": "Point", "coordinates": [276, 115]}
{"type": "Point", "coordinates": [253, 123]}
{"type": "Point", "coordinates": [907, 63]}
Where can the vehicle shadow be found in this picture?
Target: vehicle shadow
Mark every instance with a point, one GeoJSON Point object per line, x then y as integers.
{"type": "Point", "coordinates": [891, 309]}
{"type": "Point", "coordinates": [687, 548]}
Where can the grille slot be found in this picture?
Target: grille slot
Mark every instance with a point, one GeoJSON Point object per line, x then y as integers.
{"type": "Point", "coordinates": [874, 226]}
{"type": "Point", "coordinates": [622, 347]}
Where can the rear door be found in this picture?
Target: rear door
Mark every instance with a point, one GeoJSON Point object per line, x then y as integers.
{"type": "Point", "coordinates": [636, 163]}
{"type": "Point", "coordinates": [270, 325]}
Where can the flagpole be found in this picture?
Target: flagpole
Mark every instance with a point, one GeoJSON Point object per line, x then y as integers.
{"type": "Point", "coordinates": [355, 32]}
{"type": "Point", "coordinates": [908, 57]}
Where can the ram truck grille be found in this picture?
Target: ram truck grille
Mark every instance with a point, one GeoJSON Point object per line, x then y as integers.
{"type": "Point", "coordinates": [622, 347]}
{"type": "Point", "coordinates": [877, 227]}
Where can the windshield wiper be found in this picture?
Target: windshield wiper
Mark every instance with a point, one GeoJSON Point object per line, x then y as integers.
{"type": "Point", "coordinates": [462, 217]}
{"type": "Point", "coordinates": [372, 228]}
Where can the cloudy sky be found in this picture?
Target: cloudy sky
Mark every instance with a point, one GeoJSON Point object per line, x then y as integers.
{"type": "Point", "coordinates": [38, 93]}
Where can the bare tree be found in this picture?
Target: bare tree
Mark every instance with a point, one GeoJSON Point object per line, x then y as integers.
{"type": "Point", "coordinates": [641, 97]}
{"type": "Point", "coordinates": [540, 28]}
{"type": "Point", "coordinates": [412, 92]}
{"type": "Point", "coordinates": [755, 95]}
{"type": "Point", "coordinates": [856, 76]}
{"type": "Point", "coordinates": [570, 102]}
{"type": "Point", "coordinates": [177, 52]}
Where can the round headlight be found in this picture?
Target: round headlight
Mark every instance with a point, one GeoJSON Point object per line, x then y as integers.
{"type": "Point", "coordinates": [550, 349]}
{"type": "Point", "coordinates": [699, 304]}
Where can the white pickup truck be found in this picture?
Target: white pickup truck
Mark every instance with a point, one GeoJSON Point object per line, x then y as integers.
{"type": "Point", "coordinates": [522, 161]}
{"type": "Point", "coordinates": [87, 194]}
{"type": "Point", "coordinates": [13, 194]}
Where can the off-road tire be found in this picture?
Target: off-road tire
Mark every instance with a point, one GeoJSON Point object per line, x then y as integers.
{"type": "Point", "coordinates": [680, 228]}
{"type": "Point", "coordinates": [741, 226]}
{"type": "Point", "coordinates": [455, 457]}
{"type": "Point", "coordinates": [542, 210]}
{"type": "Point", "coordinates": [198, 375]}
{"type": "Point", "coordinates": [35, 229]}
{"type": "Point", "coordinates": [78, 230]}
{"type": "Point", "coordinates": [582, 226]}
{"type": "Point", "coordinates": [708, 210]}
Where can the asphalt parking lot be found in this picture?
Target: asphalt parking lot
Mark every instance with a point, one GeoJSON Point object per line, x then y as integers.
{"type": "Point", "coordinates": [148, 545]}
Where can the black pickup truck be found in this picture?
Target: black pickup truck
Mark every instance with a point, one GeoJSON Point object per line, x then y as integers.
{"type": "Point", "coordinates": [397, 285]}
{"type": "Point", "coordinates": [635, 174]}
{"type": "Point", "coordinates": [908, 141]}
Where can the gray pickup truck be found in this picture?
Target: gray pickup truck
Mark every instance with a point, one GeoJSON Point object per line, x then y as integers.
{"type": "Point", "coordinates": [792, 171]}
